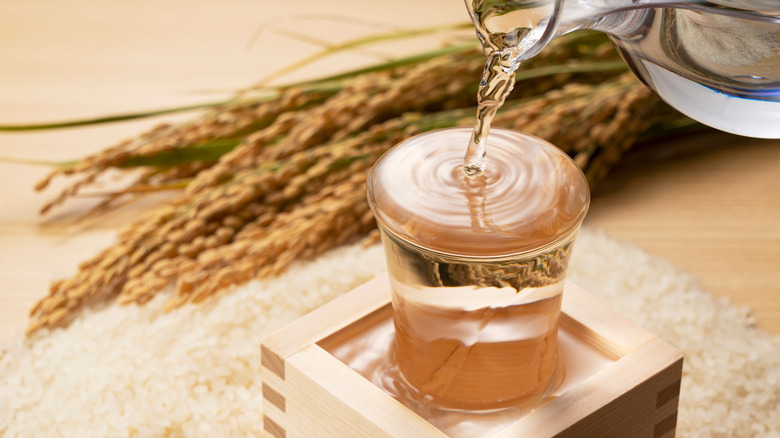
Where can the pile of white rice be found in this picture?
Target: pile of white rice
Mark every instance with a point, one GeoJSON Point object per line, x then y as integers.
{"type": "Point", "coordinates": [134, 371]}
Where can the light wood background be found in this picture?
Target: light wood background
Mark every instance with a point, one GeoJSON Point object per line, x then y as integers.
{"type": "Point", "coordinates": [714, 210]}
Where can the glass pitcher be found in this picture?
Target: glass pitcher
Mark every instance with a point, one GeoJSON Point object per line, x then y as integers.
{"type": "Point", "coordinates": [716, 61]}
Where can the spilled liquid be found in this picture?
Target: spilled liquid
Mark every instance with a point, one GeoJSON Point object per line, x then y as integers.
{"type": "Point", "coordinates": [368, 348]}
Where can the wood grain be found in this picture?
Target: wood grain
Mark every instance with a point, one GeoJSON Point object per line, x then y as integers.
{"type": "Point", "coordinates": [599, 325]}
{"type": "Point", "coordinates": [713, 210]}
{"type": "Point", "coordinates": [346, 403]}
{"type": "Point", "coordinates": [637, 395]}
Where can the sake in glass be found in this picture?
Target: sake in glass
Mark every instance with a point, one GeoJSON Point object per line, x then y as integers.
{"type": "Point", "coordinates": [477, 265]}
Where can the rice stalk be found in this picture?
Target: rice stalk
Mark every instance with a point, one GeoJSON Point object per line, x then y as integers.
{"type": "Point", "coordinates": [45, 126]}
{"type": "Point", "coordinates": [181, 229]}
{"type": "Point", "coordinates": [219, 124]}
{"type": "Point", "coordinates": [444, 82]}
{"type": "Point", "coordinates": [267, 183]}
{"type": "Point", "coordinates": [357, 43]}
{"type": "Point", "coordinates": [302, 202]}
{"type": "Point", "coordinates": [594, 125]}
{"type": "Point", "coordinates": [251, 127]}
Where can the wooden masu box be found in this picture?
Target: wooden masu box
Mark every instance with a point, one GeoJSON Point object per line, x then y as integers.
{"type": "Point", "coordinates": [307, 392]}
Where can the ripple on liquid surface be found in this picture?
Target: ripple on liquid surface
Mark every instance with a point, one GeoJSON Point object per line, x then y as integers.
{"type": "Point", "coordinates": [530, 194]}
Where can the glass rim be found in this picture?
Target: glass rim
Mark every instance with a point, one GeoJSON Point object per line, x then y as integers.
{"type": "Point", "coordinates": [569, 234]}
{"type": "Point", "coordinates": [388, 226]}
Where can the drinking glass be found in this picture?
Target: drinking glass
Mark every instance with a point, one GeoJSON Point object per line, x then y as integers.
{"type": "Point", "coordinates": [477, 265]}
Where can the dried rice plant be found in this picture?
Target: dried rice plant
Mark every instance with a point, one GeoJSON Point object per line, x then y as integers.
{"type": "Point", "coordinates": [267, 182]}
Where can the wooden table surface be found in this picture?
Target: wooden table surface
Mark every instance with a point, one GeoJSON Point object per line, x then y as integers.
{"type": "Point", "coordinates": [713, 211]}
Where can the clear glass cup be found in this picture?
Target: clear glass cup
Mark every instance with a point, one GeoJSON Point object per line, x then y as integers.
{"type": "Point", "coordinates": [477, 265]}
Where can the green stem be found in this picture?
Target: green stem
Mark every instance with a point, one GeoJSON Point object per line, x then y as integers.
{"type": "Point", "coordinates": [34, 162]}
{"type": "Point", "coordinates": [107, 119]}
{"type": "Point", "coordinates": [359, 42]}
{"type": "Point", "coordinates": [141, 188]}
{"type": "Point", "coordinates": [400, 62]}
{"type": "Point", "coordinates": [208, 151]}
{"type": "Point", "coordinates": [212, 150]}
{"type": "Point", "coordinates": [321, 86]}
